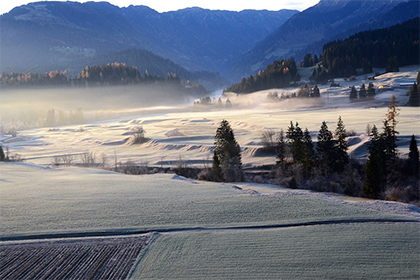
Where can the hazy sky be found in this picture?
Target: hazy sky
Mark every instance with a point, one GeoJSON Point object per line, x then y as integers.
{"type": "Point", "coordinates": [165, 5]}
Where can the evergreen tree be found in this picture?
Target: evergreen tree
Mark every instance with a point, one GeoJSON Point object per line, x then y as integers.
{"type": "Point", "coordinates": [216, 170]}
{"type": "Point", "coordinates": [375, 166]}
{"type": "Point", "coordinates": [308, 153]}
{"type": "Point", "coordinates": [341, 146]}
{"type": "Point", "coordinates": [362, 92]}
{"type": "Point", "coordinates": [413, 157]}
{"type": "Point", "coordinates": [373, 174]}
{"type": "Point", "coordinates": [295, 136]}
{"type": "Point", "coordinates": [325, 149]}
{"type": "Point", "coordinates": [2, 156]}
{"type": "Point", "coordinates": [316, 92]}
{"type": "Point", "coordinates": [353, 94]}
{"type": "Point", "coordinates": [390, 133]}
{"type": "Point", "coordinates": [227, 154]}
{"type": "Point", "coordinates": [389, 138]}
{"type": "Point", "coordinates": [371, 91]}
{"type": "Point", "coordinates": [414, 95]}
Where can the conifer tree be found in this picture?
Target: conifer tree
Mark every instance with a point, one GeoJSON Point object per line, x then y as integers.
{"type": "Point", "coordinates": [295, 136]}
{"type": "Point", "coordinates": [373, 176]}
{"type": "Point", "coordinates": [2, 156]}
{"type": "Point", "coordinates": [316, 92]}
{"type": "Point", "coordinates": [413, 157]}
{"type": "Point", "coordinates": [390, 133]}
{"type": "Point", "coordinates": [325, 149]}
{"type": "Point", "coordinates": [375, 166]}
{"type": "Point", "coordinates": [362, 92]}
{"type": "Point", "coordinates": [227, 154]}
{"type": "Point", "coordinates": [353, 94]}
{"type": "Point", "coordinates": [341, 146]}
{"type": "Point", "coordinates": [371, 91]}
{"type": "Point", "coordinates": [308, 153]}
{"type": "Point", "coordinates": [414, 96]}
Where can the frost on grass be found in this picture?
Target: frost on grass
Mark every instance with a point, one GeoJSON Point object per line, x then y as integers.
{"type": "Point", "coordinates": [356, 251]}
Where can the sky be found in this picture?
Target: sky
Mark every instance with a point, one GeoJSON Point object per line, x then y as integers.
{"type": "Point", "coordinates": [165, 5]}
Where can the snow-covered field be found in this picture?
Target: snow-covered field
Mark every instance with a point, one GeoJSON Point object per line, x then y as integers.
{"type": "Point", "coordinates": [187, 133]}
{"type": "Point", "coordinates": [213, 230]}
{"type": "Point", "coordinates": [216, 230]}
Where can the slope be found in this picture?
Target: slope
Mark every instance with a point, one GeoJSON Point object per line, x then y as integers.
{"type": "Point", "coordinates": [48, 33]}
{"type": "Point", "coordinates": [320, 23]}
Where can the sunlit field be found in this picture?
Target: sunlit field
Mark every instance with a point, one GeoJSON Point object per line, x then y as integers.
{"type": "Point", "coordinates": [207, 230]}
{"type": "Point", "coordinates": [186, 132]}
{"type": "Point", "coordinates": [361, 251]}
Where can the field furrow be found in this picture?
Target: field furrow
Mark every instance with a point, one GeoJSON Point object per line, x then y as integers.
{"type": "Point", "coordinates": [71, 259]}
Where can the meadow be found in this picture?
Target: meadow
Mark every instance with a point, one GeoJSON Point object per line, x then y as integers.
{"type": "Point", "coordinates": [358, 251]}
{"type": "Point", "coordinates": [211, 230]}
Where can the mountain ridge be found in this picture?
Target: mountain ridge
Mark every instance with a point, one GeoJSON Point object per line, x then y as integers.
{"type": "Point", "coordinates": [326, 21]}
{"type": "Point", "coordinates": [195, 38]}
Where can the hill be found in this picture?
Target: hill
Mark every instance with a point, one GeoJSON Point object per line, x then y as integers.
{"type": "Point", "coordinates": [328, 20]}
{"type": "Point", "coordinates": [387, 48]}
{"type": "Point", "coordinates": [59, 33]}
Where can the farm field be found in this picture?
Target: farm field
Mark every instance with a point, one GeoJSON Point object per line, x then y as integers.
{"type": "Point", "coordinates": [72, 259]}
{"type": "Point", "coordinates": [216, 230]}
{"type": "Point", "coordinates": [39, 200]}
{"type": "Point", "coordinates": [357, 251]}
{"type": "Point", "coordinates": [203, 229]}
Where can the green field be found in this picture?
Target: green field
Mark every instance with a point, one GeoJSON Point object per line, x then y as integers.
{"type": "Point", "coordinates": [357, 251]}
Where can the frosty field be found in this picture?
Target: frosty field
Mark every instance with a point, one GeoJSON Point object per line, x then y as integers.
{"type": "Point", "coordinates": [36, 200]}
{"type": "Point", "coordinates": [361, 251]}
{"type": "Point", "coordinates": [212, 230]}
{"type": "Point", "coordinates": [187, 132]}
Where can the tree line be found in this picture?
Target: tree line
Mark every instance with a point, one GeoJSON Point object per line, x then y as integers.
{"type": "Point", "coordinates": [388, 48]}
{"type": "Point", "coordinates": [278, 74]}
{"type": "Point", "coordinates": [97, 75]}
{"type": "Point", "coordinates": [326, 165]}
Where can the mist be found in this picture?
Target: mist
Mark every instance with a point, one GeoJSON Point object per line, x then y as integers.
{"type": "Point", "coordinates": [29, 108]}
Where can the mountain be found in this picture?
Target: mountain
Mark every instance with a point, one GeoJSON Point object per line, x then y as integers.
{"type": "Point", "coordinates": [328, 20]}
{"type": "Point", "coordinates": [60, 33]}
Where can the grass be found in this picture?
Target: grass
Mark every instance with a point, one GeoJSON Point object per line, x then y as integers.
{"type": "Point", "coordinates": [36, 200]}
{"type": "Point", "coordinates": [357, 251]}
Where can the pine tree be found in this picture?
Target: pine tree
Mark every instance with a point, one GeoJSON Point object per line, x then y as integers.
{"type": "Point", "coordinates": [2, 156]}
{"type": "Point", "coordinates": [414, 96]}
{"type": "Point", "coordinates": [371, 91]}
{"type": "Point", "coordinates": [375, 166]}
{"type": "Point", "coordinates": [373, 176]}
{"type": "Point", "coordinates": [308, 153]}
{"type": "Point", "coordinates": [316, 92]}
{"type": "Point", "coordinates": [390, 133]}
{"type": "Point", "coordinates": [353, 94]}
{"type": "Point", "coordinates": [362, 92]}
{"type": "Point", "coordinates": [295, 136]}
{"type": "Point", "coordinates": [341, 146]}
{"type": "Point", "coordinates": [413, 157]}
{"type": "Point", "coordinates": [325, 149]}
{"type": "Point", "coordinates": [216, 170]}
{"type": "Point", "coordinates": [227, 154]}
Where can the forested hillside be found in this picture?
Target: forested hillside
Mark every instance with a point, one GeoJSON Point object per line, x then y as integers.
{"type": "Point", "coordinates": [111, 74]}
{"type": "Point", "coordinates": [387, 48]}
{"type": "Point", "coordinates": [279, 74]}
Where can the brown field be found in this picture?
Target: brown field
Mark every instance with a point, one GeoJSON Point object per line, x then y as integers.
{"type": "Point", "coordinates": [93, 258]}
